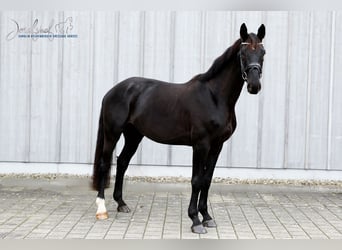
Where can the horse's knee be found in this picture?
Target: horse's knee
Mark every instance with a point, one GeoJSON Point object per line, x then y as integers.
{"type": "Point", "coordinates": [197, 182]}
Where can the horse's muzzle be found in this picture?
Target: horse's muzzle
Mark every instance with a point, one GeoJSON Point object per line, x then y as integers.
{"type": "Point", "coordinates": [253, 88]}
{"type": "Point", "coordinates": [253, 78]}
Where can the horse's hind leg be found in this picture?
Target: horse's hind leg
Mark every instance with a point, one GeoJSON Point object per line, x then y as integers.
{"type": "Point", "coordinates": [105, 165]}
{"type": "Point", "coordinates": [132, 140]}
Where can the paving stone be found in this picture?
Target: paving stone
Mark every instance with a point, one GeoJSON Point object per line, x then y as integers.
{"type": "Point", "coordinates": [36, 210]}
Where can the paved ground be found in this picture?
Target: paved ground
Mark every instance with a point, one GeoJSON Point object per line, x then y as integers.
{"type": "Point", "coordinates": [65, 208]}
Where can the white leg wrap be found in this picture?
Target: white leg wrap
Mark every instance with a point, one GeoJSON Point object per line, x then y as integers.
{"type": "Point", "coordinates": [101, 207]}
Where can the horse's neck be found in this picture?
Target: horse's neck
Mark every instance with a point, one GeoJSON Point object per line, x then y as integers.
{"type": "Point", "coordinates": [228, 85]}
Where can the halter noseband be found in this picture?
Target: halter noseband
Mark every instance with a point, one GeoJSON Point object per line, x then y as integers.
{"type": "Point", "coordinates": [250, 66]}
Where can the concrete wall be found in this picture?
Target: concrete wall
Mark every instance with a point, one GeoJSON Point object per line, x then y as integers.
{"type": "Point", "coordinates": [51, 89]}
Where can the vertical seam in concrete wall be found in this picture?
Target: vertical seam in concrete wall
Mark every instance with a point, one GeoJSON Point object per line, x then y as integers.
{"type": "Point", "coordinates": [1, 46]}
{"type": "Point", "coordinates": [203, 38]}
{"type": "Point", "coordinates": [232, 38]}
{"type": "Point", "coordinates": [142, 44]}
{"type": "Point", "coordinates": [92, 77]}
{"type": "Point", "coordinates": [232, 27]}
{"type": "Point", "coordinates": [172, 45]}
{"type": "Point", "coordinates": [260, 112]}
{"type": "Point", "coordinates": [116, 47]}
{"type": "Point", "coordinates": [229, 157]}
{"type": "Point", "coordinates": [29, 100]}
{"type": "Point", "coordinates": [308, 95]}
{"type": "Point", "coordinates": [116, 59]}
{"type": "Point", "coordinates": [331, 87]}
{"type": "Point", "coordinates": [60, 94]}
{"type": "Point", "coordinates": [287, 97]}
{"type": "Point", "coordinates": [141, 66]}
{"type": "Point", "coordinates": [172, 68]}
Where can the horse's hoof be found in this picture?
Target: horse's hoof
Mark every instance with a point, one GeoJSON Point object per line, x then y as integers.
{"type": "Point", "coordinates": [124, 209]}
{"type": "Point", "coordinates": [102, 216]}
{"type": "Point", "coordinates": [198, 229]}
{"type": "Point", "coordinates": [209, 223]}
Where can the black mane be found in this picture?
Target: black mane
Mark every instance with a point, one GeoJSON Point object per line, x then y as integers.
{"type": "Point", "coordinates": [219, 63]}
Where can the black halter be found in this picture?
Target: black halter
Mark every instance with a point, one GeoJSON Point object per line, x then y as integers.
{"type": "Point", "coordinates": [249, 67]}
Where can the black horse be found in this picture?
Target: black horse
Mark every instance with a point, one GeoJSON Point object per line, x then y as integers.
{"type": "Point", "coordinates": [199, 113]}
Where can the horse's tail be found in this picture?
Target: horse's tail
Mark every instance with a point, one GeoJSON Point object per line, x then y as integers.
{"type": "Point", "coordinates": [98, 171]}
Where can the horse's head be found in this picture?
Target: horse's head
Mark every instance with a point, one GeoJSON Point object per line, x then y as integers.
{"type": "Point", "coordinates": [251, 57]}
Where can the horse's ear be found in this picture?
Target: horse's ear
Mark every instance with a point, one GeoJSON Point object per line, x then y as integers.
{"type": "Point", "coordinates": [243, 32]}
{"type": "Point", "coordinates": [261, 32]}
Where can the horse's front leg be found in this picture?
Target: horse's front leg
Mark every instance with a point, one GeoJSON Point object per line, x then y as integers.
{"type": "Point", "coordinates": [208, 175]}
{"type": "Point", "coordinates": [200, 153]}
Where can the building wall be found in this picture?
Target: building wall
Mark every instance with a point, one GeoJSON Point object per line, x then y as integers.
{"type": "Point", "coordinates": [51, 90]}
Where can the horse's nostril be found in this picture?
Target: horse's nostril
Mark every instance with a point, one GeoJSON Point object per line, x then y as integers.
{"type": "Point", "coordinates": [250, 87]}
{"type": "Point", "coordinates": [253, 89]}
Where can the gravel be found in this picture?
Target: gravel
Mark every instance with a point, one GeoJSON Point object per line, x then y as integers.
{"type": "Point", "coordinates": [166, 179]}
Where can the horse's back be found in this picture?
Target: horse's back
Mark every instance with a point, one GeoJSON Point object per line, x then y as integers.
{"type": "Point", "coordinates": [133, 86]}
{"type": "Point", "coordinates": [125, 97]}
{"type": "Point", "coordinates": [153, 107]}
